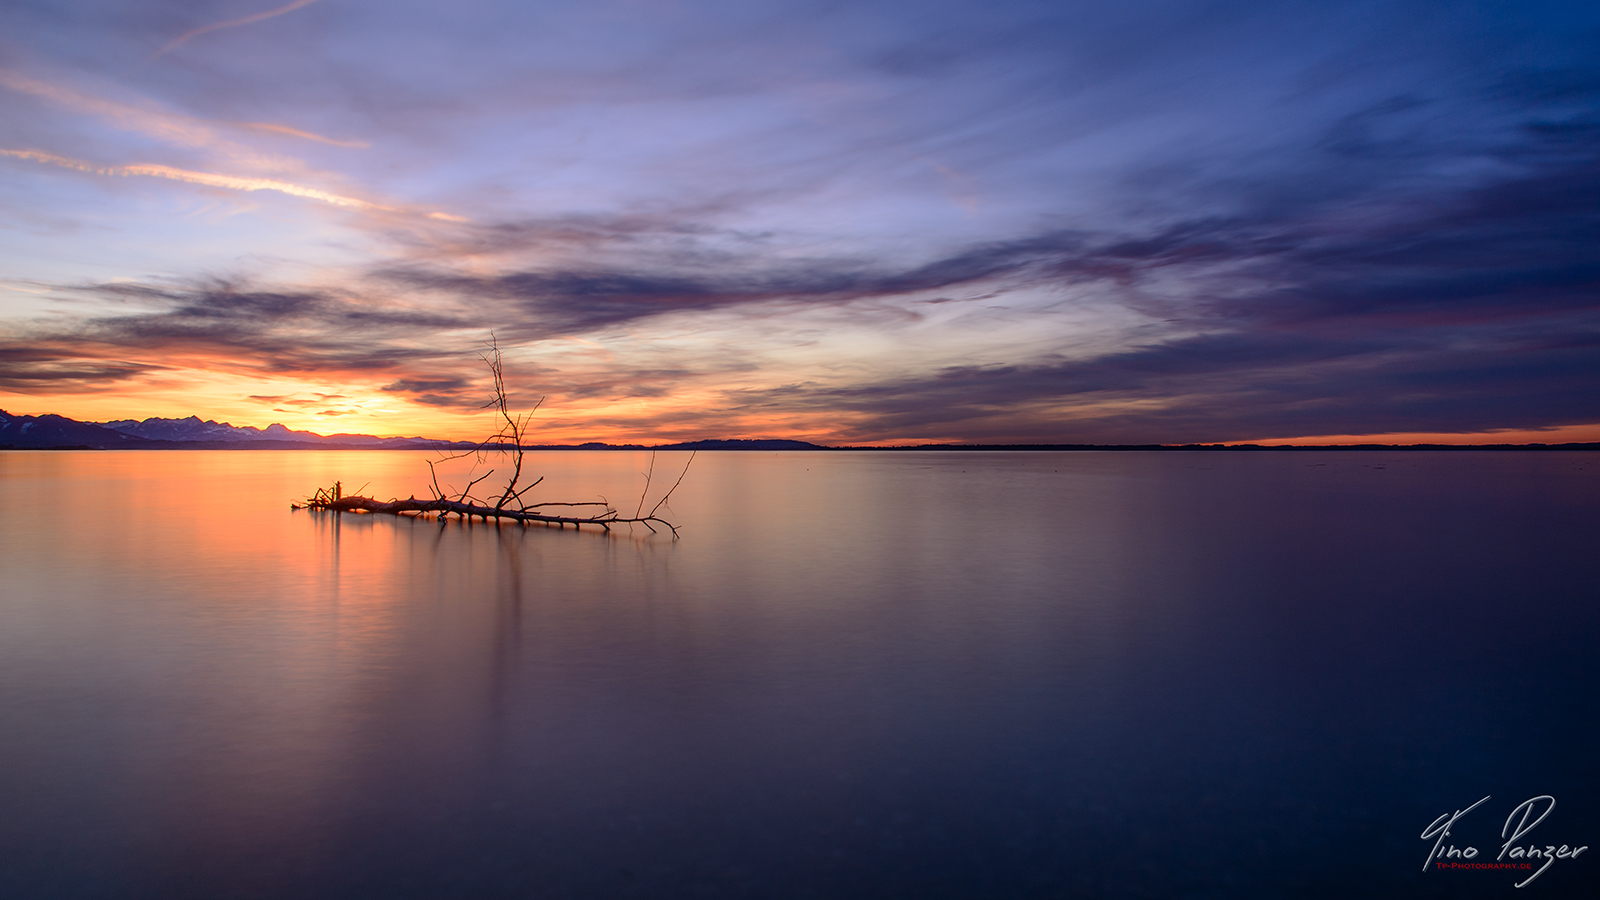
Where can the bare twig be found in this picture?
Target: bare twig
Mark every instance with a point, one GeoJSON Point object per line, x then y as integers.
{"type": "Point", "coordinates": [467, 496]}
{"type": "Point", "coordinates": [557, 503]}
{"type": "Point", "coordinates": [668, 496]}
{"type": "Point", "coordinates": [512, 428]}
{"type": "Point", "coordinates": [646, 492]}
{"type": "Point", "coordinates": [520, 491]}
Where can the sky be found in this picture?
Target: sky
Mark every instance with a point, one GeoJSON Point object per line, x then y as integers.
{"type": "Point", "coordinates": [862, 222]}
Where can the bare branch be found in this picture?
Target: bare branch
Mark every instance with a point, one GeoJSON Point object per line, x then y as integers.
{"type": "Point", "coordinates": [663, 501]}
{"type": "Point", "coordinates": [646, 492]}
{"type": "Point", "coordinates": [556, 503]}
{"type": "Point", "coordinates": [464, 494]}
{"type": "Point", "coordinates": [324, 500]}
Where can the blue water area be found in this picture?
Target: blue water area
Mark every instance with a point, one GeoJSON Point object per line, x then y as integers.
{"type": "Point", "coordinates": [951, 674]}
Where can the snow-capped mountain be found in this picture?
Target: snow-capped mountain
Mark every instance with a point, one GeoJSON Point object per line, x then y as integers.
{"type": "Point", "coordinates": [196, 429]}
{"type": "Point", "coordinates": [57, 431]}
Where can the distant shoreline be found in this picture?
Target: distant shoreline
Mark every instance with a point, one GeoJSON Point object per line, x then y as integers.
{"type": "Point", "coordinates": [798, 446]}
{"type": "Point", "coordinates": [52, 432]}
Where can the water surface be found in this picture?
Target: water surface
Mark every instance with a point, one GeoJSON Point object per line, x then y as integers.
{"type": "Point", "coordinates": [856, 674]}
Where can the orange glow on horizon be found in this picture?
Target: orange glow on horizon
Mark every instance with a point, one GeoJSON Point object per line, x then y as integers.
{"type": "Point", "coordinates": [328, 408]}
{"type": "Point", "coordinates": [1566, 434]}
{"type": "Point", "coordinates": [345, 409]}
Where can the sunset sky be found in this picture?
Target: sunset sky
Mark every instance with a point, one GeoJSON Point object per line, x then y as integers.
{"type": "Point", "coordinates": [840, 222]}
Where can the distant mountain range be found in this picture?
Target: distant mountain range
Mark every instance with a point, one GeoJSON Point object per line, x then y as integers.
{"type": "Point", "coordinates": [194, 429]}
{"type": "Point", "coordinates": [59, 432]}
{"type": "Point", "coordinates": [43, 432]}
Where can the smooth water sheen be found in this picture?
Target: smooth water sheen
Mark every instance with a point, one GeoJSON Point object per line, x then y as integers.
{"type": "Point", "coordinates": [907, 674]}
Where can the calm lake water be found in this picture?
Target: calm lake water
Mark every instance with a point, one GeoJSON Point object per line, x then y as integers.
{"type": "Point", "coordinates": [914, 675]}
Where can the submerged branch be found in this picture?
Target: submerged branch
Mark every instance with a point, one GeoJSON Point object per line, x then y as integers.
{"type": "Point", "coordinates": [328, 499]}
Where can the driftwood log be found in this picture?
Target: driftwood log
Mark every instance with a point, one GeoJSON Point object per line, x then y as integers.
{"type": "Point", "coordinates": [330, 500]}
{"type": "Point", "coordinates": [509, 504]}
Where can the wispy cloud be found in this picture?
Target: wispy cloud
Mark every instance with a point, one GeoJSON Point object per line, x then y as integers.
{"type": "Point", "coordinates": [169, 127]}
{"type": "Point", "coordinates": [261, 331]}
{"type": "Point", "coordinates": [193, 33]}
{"type": "Point", "coordinates": [209, 179]}
{"type": "Point", "coordinates": [262, 170]}
{"type": "Point", "coordinates": [306, 135]}
{"type": "Point", "coordinates": [55, 366]}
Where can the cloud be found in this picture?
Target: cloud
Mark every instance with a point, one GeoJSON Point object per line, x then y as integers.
{"type": "Point", "coordinates": [412, 385]}
{"type": "Point", "coordinates": [585, 298]}
{"type": "Point", "coordinates": [169, 127]}
{"type": "Point", "coordinates": [317, 400]}
{"type": "Point", "coordinates": [268, 171]}
{"type": "Point", "coordinates": [306, 135]}
{"type": "Point", "coordinates": [193, 33]}
{"type": "Point", "coordinates": [209, 179]}
{"type": "Point", "coordinates": [32, 367]}
{"type": "Point", "coordinates": [460, 393]}
{"type": "Point", "coordinates": [1471, 311]}
{"type": "Point", "coordinates": [1228, 388]}
{"type": "Point", "coordinates": [225, 324]}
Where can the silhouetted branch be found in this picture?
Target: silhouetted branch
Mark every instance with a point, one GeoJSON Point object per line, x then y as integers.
{"type": "Point", "coordinates": [646, 492]}
{"type": "Point", "coordinates": [668, 496]}
{"type": "Point", "coordinates": [325, 499]}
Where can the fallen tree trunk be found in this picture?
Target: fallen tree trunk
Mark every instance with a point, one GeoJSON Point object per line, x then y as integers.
{"type": "Point", "coordinates": [330, 500]}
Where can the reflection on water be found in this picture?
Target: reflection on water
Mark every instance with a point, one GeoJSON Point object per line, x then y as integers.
{"type": "Point", "coordinates": [897, 674]}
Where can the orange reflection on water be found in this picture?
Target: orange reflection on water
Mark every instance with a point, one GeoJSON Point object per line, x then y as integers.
{"type": "Point", "coordinates": [179, 588]}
